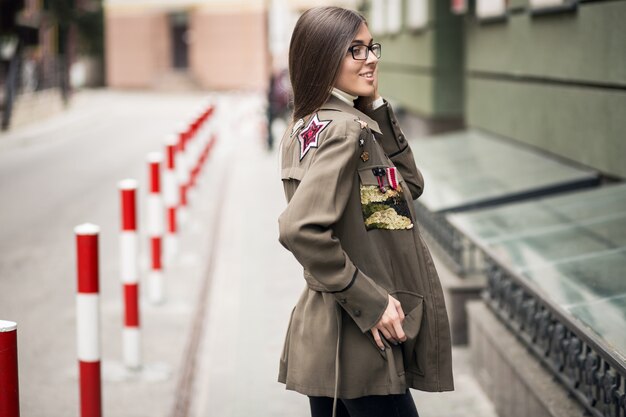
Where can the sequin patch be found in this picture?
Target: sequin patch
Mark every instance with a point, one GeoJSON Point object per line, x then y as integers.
{"type": "Point", "coordinates": [388, 210]}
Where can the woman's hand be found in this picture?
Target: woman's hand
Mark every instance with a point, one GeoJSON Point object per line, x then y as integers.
{"type": "Point", "coordinates": [390, 324]}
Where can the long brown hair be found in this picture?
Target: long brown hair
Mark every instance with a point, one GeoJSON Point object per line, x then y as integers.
{"type": "Point", "coordinates": [319, 43]}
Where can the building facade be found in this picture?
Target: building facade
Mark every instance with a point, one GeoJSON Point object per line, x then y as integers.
{"type": "Point", "coordinates": [205, 44]}
{"type": "Point", "coordinates": [554, 79]}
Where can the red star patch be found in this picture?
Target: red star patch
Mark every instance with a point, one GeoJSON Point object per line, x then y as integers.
{"type": "Point", "coordinates": [309, 136]}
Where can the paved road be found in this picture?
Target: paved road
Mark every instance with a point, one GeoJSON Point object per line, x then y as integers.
{"type": "Point", "coordinates": [64, 171]}
{"type": "Point", "coordinates": [55, 175]}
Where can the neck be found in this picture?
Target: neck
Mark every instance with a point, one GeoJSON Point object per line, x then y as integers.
{"type": "Point", "coordinates": [343, 96]}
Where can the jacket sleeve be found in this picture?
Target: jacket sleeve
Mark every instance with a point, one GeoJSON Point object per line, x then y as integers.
{"type": "Point", "coordinates": [306, 229]}
{"type": "Point", "coordinates": [397, 148]}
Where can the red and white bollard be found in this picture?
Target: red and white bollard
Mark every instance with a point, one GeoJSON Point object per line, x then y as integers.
{"type": "Point", "coordinates": [182, 173]}
{"type": "Point", "coordinates": [155, 228]}
{"type": "Point", "coordinates": [88, 319]}
{"type": "Point", "coordinates": [210, 146]}
{"type": "Point", "coordinates": [190, 145]}
{"type": "Point", "coordinates": [170, 198]}
{"type": "Point", "coordinates": [200, 137]}
{"type": "Point", "coordinates": [9, 386]}
{"type": "Point", "coordinates": [129, 253]}
{"type": "Point", "coordinates": [194, 146]}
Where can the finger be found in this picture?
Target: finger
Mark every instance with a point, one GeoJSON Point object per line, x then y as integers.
{"type": "Point", "coordinates": [379, 342]}
{"type": "Point", "coordinates": [400, 311]}
{"type": "Point", "coordinates": [386, 333]}
{"type": "Point", "coordinates": [389, 332]}
{"type": "Point", "coordinates": [399, 331]}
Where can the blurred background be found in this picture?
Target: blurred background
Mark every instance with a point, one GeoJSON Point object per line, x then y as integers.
{"type": "Point", "coordinates": [516, 113]}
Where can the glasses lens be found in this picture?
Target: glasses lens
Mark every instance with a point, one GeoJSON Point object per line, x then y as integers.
{"type": "Point", "coordinates": [376, 50]}
{"type": "Point", "coordinates": [359, 52]}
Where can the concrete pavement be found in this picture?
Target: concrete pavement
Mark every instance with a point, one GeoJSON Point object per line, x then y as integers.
{"type": "Point", "coordinates": [229, 248]}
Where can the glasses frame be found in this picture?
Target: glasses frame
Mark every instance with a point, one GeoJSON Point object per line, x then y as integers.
{"type": "Point", "coordinates": [367, 51]}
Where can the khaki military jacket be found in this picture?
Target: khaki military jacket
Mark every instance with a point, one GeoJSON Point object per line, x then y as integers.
{"type": "Point", "coordinates": [350, 179]}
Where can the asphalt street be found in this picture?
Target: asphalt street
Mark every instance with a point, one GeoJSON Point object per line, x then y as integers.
{"type": "Point", "coordinates": [212, 348]}
{"type": "Point", "coordinates": [55, 175]}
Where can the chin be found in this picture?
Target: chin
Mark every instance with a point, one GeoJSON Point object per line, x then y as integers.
{"type": "Point", "coordinates": [363, 91]}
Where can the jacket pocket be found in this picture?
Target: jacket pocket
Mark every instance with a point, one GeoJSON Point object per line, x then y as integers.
{"type": "Point", "coordinates": [383, 202]}
{"type": "Point", "coordinates": [413, 307]}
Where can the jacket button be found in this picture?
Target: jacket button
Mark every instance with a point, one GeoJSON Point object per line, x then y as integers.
{"type": "Point", "coordinates": [394, 122]}
{"type": "Point", "coordinates": [343, 300]}
{"type": "Point", "coordinates": [357, 313]}
{"type": "Point", "coordinates": [401, 138]}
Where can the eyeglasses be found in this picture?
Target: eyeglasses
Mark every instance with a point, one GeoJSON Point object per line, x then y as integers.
{"type": "Point", "coordinates": [361, 52]}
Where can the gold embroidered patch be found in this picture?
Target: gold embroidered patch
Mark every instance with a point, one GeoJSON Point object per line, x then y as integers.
{"type": "Point", "coordinates": [365, 156]}
{"type": "Point", "coordinates": [385, 210]}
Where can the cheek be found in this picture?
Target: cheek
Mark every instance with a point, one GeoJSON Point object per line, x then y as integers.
{"type": "Point", "coordinates": [349, 72]}
{"type": "Point", "coordinates": [346, 70]}
{"type": "Point", "coordinates": [349, 79]}
{"type": "Point", "coordinates": [354, 69]}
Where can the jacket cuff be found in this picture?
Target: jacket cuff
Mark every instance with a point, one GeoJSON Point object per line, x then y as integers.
{"type": "Point", "coordinates": [363, 300]}
{"type": "Point", "coordinates": [393, 139]}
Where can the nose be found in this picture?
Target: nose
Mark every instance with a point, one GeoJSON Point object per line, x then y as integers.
{"type": "Point", "coordinates": [371, 58]}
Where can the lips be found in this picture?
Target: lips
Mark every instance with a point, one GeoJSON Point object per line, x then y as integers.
{"type": "Point", "coordinates": [367, 75]}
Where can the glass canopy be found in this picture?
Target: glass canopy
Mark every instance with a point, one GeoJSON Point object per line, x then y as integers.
{"type": "Point", "coordinates": [469, 168]}
{"type": "Point", "coordinates": [572, 247]}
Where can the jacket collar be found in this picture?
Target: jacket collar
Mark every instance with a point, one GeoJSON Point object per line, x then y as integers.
{"type": "Point", "coordinates": [333, 103]}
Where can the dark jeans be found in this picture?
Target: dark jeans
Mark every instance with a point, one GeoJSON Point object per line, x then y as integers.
{"type": "Point", "coordinates": [400, 405]}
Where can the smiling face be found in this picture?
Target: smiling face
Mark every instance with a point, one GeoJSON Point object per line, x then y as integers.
{"type": "Point", "coordinates": [359, 77]}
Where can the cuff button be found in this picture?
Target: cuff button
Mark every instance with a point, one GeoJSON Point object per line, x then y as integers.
{"type": "Point", "coordinates": [357, 313]}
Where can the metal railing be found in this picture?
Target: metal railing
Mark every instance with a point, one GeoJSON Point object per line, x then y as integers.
{"type": "Point", "coordinates": [461, 255]}
{"type": "Point", "coordinates": [590, 371]}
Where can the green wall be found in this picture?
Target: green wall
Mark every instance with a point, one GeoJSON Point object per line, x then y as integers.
{"type": "Point", "coordinates": [557, 82]}
{"type": "Point", "coordinates": [587, 45]}
{"type": "Point", "coordinates": [554, 81]}
{"type": "Point", "coordinates": [582, 124]}
{"type": "Point", "coordinates": [423, 69]}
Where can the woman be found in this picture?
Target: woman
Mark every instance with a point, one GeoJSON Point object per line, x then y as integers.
{"type": "Point", "coordinates": [371, 322]}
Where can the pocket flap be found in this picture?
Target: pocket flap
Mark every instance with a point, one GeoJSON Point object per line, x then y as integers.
{"type": "Point", "coordinates": [413, 307]}
{"type": "Point", "coordinates": [367, 177]}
